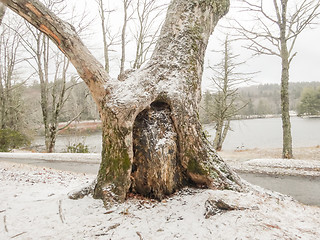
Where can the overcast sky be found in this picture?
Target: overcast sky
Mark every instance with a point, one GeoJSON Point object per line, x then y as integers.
{"type": "Point", "coordinates": [305, 66]}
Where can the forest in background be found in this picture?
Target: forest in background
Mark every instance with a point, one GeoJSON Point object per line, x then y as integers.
{"type": "Point", "coordinates": [259, 100]}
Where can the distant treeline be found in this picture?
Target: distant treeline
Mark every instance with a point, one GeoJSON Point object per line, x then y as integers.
{"type": "Point", "coordinates": [260, 100]}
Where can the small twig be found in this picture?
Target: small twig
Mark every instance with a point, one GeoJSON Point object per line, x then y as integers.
{"type": "Point", "coordinates": [108, 212]}
{"type": "Point", "coordinates": [110, 228]}
{"type": "Point", "coordinates": [101, 234]}
{"type": "Point", "coordinates": [113, 226]}
{"type": "Point", "coordinates": [60, 211]}
{"type": "Point", "coordinates": [18, 235]}
{"type": "Point", "coordinates": [1, 211]}
{"type": "Point", "coordinates": [140, 236]}
{"type": "Point", "coordinates": [5, 223]}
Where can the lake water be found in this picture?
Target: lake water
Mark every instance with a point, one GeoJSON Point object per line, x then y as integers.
{"type": "Point", "coordinates": [245, 134]}
{"type": "Point", "coordinates": [267, 133]}
{"type": "Point", "coordinates": [94, 142]}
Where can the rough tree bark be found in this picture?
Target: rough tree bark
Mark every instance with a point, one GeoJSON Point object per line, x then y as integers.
{"type": "Point", "coordinates": [2, 11]}
{"type": "Point", "coordinates": [151, 118]}
{"type": "Point", "coordinates": [285, 63]}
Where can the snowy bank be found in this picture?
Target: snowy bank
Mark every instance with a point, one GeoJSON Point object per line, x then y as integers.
{"type": "Point", "coordinates": [293, 167]}
{"type": "Point", "coordinates": [34, 205]}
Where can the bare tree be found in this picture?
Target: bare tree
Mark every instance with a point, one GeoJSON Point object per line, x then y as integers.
{"type": "Point", "coordinates": [227, 103]}
{"type": "Point", "coordinates": [53, 92]}
{"type": "Point", "coordinates": [275, 33]}
{"type": "Point", "coordinates": [109, 39]}
{"type": "Point", "coordinates": [148, 27]}
{"type": "Point", "coordinates": [126, 18]}
{"type": "Point", "coordinates": [11, 105]}
{"type": "Point", "coordinates": [152, 138]}
{"type": "Point", "coordinates": [53, 85]}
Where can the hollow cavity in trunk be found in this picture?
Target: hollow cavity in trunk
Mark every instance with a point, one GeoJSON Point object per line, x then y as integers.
{"type": "Point", "coordinates": [156, 169]}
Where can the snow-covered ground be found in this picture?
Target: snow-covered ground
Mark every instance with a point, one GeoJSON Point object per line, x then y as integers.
{"type": "Point", "coordinates": [34, 205]}
{"type": "Point", "coordinates": [293, 167]}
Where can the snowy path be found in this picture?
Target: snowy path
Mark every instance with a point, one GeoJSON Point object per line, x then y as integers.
{"type": "Point", "coordinates": [77, 167]}
{"type": "Point", "coordinates": [71, 157]}
{"type": "Point", "coordinates": [79, 163]}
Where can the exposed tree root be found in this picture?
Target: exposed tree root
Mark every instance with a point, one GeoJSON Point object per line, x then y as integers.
{"type": "Point", "coordinates": [87, 190]}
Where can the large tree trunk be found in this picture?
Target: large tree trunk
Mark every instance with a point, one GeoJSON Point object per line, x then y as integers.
{"type": "Point", "coordinates": [172, 78]}
{"type": "Point", "coordinates": [153, 143]}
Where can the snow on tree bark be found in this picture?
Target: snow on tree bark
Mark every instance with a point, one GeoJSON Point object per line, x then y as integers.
{"type": "Point", "coordinates": [161, 99]}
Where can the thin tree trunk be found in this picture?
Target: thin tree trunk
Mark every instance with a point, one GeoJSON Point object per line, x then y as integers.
{"type": "Point", "coordinates": [104, 36]}
{"type": "Point", "coordinates": [224, 133]}
{"type": "Point", "coordinates": [286, 125]}
{"type": "Point", "coordinates": [218, 136]}
{"type": "Point", "coordinates": [221, 134]}
{"type": "Point", "coordinates": [3, 102]}
{"type": "Point", "coordinates": [52, 137]}
{"type": "Point", "coordinates": [123, 36]}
